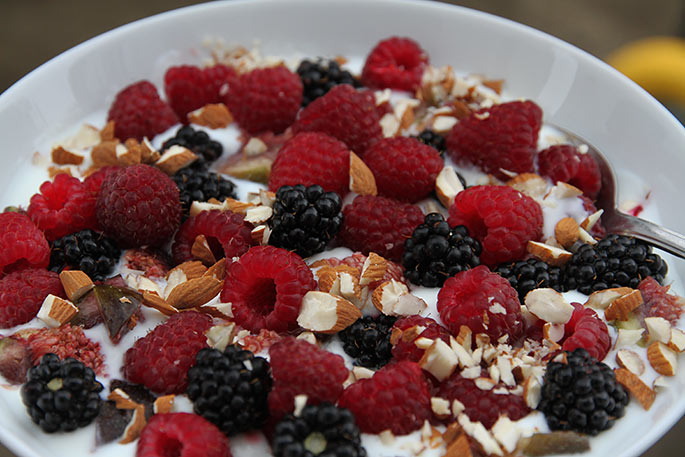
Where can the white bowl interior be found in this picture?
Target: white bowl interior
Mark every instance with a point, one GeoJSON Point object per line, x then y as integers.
{"type": "Point", "coordinates": [574, 89]}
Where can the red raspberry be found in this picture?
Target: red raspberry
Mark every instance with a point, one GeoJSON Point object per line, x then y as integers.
{"type": "Point", "coordinates": [501, 218]}
{"type": "Point", "coordinates": [586, 330]}
{"type": "Point", "coordinates": [188, 87]}
{"type": "Point", "coordinates": [63, 206]}
{"type": "Point", "coordinates": [483, 301]}
{"type": "Point", "coordinates": [182, 435]}
{"type": "Point", "coordinates": [21, 243]}
{"type": "Point", "coordinates": [299, 367]}
{"type": "Point", "coordinates": [138, 206]}
{"type": "Point", "coordinates": [312, 158]}
{"type": "Point", "coordinates": [404, 348]}
{"type": "Point", "coordinates": [658, 302]}
{"type": "Point", "coordinates": [265, 288]}
{"type": "Point", "coordinates": [502, 137]}
{"type": "Point", "coordinates": [22, 293]}
{"type": "Point", "coordinates": [138, 112]}
{"type": "Point", "coordinates": [227, 234]}
{"type": "Point", "coordinates": [346, 114]}
{"type": "Point", "coordinates": [379, 224]}
{"type": "Point", "coordinates": [484, 406]}
{"type": "Point", "coordinates": [265, 99]}
{"type": "Point", "coordinates": [563, 162]}
{"type": "Point", "coordinates": [151, 263]}
{"type": "Point", "coordinates": [396, 397]}
{"type": "Point", "coordinates": [161, 359]}
{"type": "Point", "coordinates": [65, 341]}
{"type": "Point", "coordinates": [404, 168]}
{"type": "Point", "coordinates": [94, 181]}
{"type": "Point", "coordinates": [395, 63]}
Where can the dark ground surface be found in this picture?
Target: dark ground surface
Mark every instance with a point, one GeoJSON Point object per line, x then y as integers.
{"type": "Point", "coordinates": [33, 31]}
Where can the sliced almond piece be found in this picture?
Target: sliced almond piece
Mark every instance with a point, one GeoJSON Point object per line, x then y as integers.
{"type": "Point", "coordinates": [507, 433]}
{"type": "Point", "coordinates": [530, 184]}
{"type": "Point", "coordinates": [373, 270]}
{"type": "Point", "coordinates": [325, 313]}
{"type": "Point", "coordinates": [563, 190]}
{"type": "Point", "coordinates": [191, 268]}
{"type": "Point", "coordinates": [634, 385]}
{"type": "Point", "coordinates": [439, 360]}
{"type": "Point", "coordinates": [553, 332]}
{"type": "Point", "coordinates": [549, 254]}
{"type": "Point", "coordinates": [135, 426]}
{"type": "Point", "coordinates": [148, 153]}
{"type": "Point", "coordinates": [122, 400]}
{"type": "Point", "coordinates": [601, 299]}
{"type": "Point", "coordinates": [194, 292]}
{"type": "Point", "coordinates": [585, 237]}
{"type": "Point", "coordinates": [532, 392]}
{"type": "Point", "coordinates": [256, 215]}
{"type": "Point", "coordinates": [175, 158]}
{"type": "Point", "coordinates": [362, 180]}
{"type": "Point", "coordinates": [152, 300]}
{"type": "Point", "coordinates": [630, 360]}
{"type": "Point", "coordinates": [659, 329]}
{"type": "Point", "coordinates": [220, 336]}
{"type": "Point", "coordinates": [75, 283]}
{"type": "Point", "coordinates": [197, 207]}
{"type": "Point", "coordinates": [620, 308]}
{"type": "Point", "coordinates": [214, 116]}
{"type": "Point", "coordinates": [105, 154]}
{"type": "Point", "coordinates": [260, 235]}
{"type": "Point", "coordinates": [591, 220]}
{"type": "Point", "coordinates": [659, 383]}
{"type": "Point", "coordinates": [55, 311]}
{"type": "Point", "coordinates": [549, 305]}
{"type": "Point", "coordinates": [677, 341]}
{"type": "Point", "coordinates": [447, 186]}
{"type": "Point", "coordinates": [662, 358]}
{"type": "Point", "coordinates": [130, 154]}
{"type": "Point", "coordinates": [61, 156]}
{"type": "Point", "coordinates": [628, 337]}
{"type": "Point", "coordinates": [218, 270]}
{"type": "Point", "coordinates": [163, 404]}
{"type": "Point", "coordinates": [201, 250]}
{"type": "Point", "coordinates": [567, 232]}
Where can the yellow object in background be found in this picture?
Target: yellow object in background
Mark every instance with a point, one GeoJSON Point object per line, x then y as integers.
{"type": "Point", "coordinates": [658, 65]}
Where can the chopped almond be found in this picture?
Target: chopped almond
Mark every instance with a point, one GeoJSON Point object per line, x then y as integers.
{"type": "Point", "coordinates": [362, 180]}
{"type": "Point", "coordinates": [634, 385]}
{"type": "Point", "coordinates": [76, 283]}
{"type": "Point", "coordinates": [621, 307]}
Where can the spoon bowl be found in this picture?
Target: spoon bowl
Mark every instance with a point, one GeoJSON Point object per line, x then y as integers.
{"type": "Point", "coordinates": [618, 222]}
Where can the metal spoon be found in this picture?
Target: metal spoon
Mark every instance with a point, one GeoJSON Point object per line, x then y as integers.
{"type": "Point", "coordinates": [620, 223]}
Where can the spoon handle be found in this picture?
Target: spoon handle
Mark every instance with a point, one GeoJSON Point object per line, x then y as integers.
{"type": "Point", "coordinates": [653, 234]}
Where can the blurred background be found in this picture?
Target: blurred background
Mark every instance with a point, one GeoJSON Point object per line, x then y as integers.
{"type": "Point", "coordinates": [621, 32]}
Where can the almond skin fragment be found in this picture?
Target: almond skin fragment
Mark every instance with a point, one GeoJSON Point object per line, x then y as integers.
{"type": "Point", "coordinates": [634, 385]}
{"type": "Point", "coordinates": [325, 313]}
{"type": "Point", "coordinates": [76, 283]}
{"type": "Point", "coordinates": [662, 359]}
{"type": "Point", "coordinates": [362, 180]}
{"type": "Point", "coordinates": [567, 232]}
{"type": "Point", "coordinates": [620, 308]}
{"type": "Point", "coordinates": [194, 292]}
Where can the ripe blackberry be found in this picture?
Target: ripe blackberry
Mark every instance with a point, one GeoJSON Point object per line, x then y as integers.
{"type": "Point", "coordinates": [61, 395]}
{"type": "Point", "coordinates": [581, 395]}
{"type": "Point", "coordinates": [323, 430]}
{"type": "Point", "coordinates": [321, 76]}
{"type": "Point", "coordinates": [436, 252]}
{"type": "Point", "coordinates": [201, 185]}
{"type": "Point", "coordinates": [526, 275]}
{"type": "Point", "coordinates": [614, 261]}
{"type": "Point", "coordinates": [368, 340]}
{"type": "Point", "coordinates": [434, 140]}
{"type": "Point", "coordinates": [88, 251]}
{"type": "Point", "coordinates": [230, 388]}
{"type": "Point", "coordinates": [305, 219]}
{"type": "Point", "coordinates": [197, 141]}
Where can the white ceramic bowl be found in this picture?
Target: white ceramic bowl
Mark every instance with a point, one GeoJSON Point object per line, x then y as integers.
{"type": "Point", "coordinates": [575, 90]}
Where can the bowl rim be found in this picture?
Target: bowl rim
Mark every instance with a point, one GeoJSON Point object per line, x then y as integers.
{"type": "Point", "coordinates": [655, 432]}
